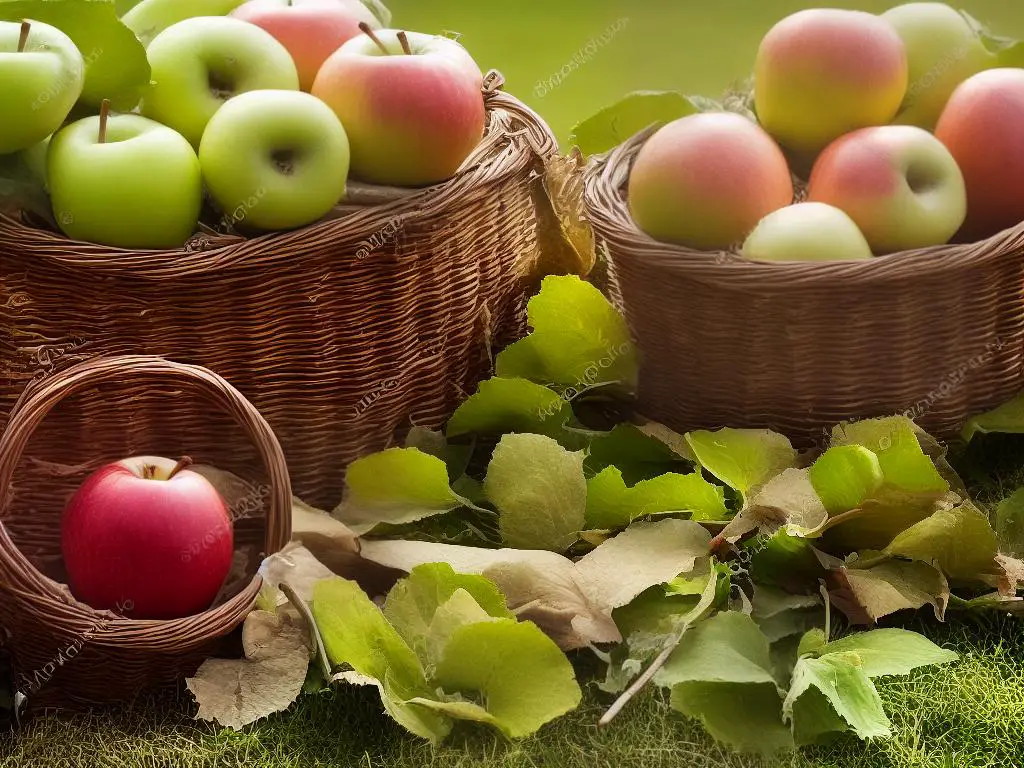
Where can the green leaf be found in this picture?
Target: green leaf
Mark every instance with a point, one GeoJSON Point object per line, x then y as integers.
{"type": "Point", "coordinates": [747, 717]}
{"type": "Point", "coordinates": [116, 67]}
{"type": "Point", "coordinates": [579, 341]}
{"type": "Point", "coordinates": [356, 634]}
{"type": "Point", "coordinates": [414, 601]}
{"type": "Point", "coordinates": [847, 688]}
{"type": "Point", "coordinates": [501, 406]}
{"type": "Point", "coordinates": [611, 504]}
{"type": "Point", "coordinates": [1010, 523]}
{"type": "Point", "coordinates": [742, 458]}
{"type": "Point", "coordinates": [844, 476]}
{"type": "Point", "coordinates": [877, 521]}
{"type": "Point", "coordinates": [640, 452]}
{"type": "Point", "coordinates": [460, 610]}
{"type": "Point", "coordinates": [866, 595]}
{"type": "Point", "coordinates": [1009, 52]}
{"type": "Point", "coordinates": [727, 648]}
{"type": "Point", "coordinates": [655, 611]}
{"type": "Point", "coordinates": [891, 651]}
{"type": "Point", "coordinates": [783, 560]}
{"type": "Point", "coordinates": [814, 719]}
{"type": "Point", "coordinates": [812, 642]}
{"type": "Point", "coordinates": [522, 677]}
{"type": "Point", "coordinates": [960, 541]}
{"type": "Point", "coordinates": [903, 462]}
{"type": "Point", "coordinates": [782, 614]}
{"type": "Point", "coordinates": [396, 486]}
{"type": "Point", "coordinates": [1007, 418]}
{"type": "Point", "coordinates": [539, 490]}
{"type": "Point", "coordinates": [631, 114]}
{"type": "Point", "coordinates": [642, 556]}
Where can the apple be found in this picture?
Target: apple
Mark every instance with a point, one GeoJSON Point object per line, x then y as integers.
{"type": "Point", "coordinates": [412, 118]}
{"type": "Point", "coordinates": [706, 180]}
{"type": "Point", "coordinates": [982, 127]}
{"type": "Point", "coordinates": [275, 159]}
{"type": "Point", "coordinates": [822, 73]}
{"type": "Point", "coordinates": [147, 537]}
{"type": "Point", "coordinates": [41, 78]}
{"type": "Point", "coordinates": [198, 64]}
{"type": "Point", "coordinates": [311, 30]}
{"type": "Point", "coordinates": [897, 182]}
{"type": "Point", "coordinates": [807, 232]}
{"type": "Point", "coordinates": [151, 17]}
{"type": "Point", "coordinates": [943, 50]}
{"type": "Point", "coordinates": [124, 181]}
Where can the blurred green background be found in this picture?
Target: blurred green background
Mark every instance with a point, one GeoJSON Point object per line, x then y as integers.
{"type": "Point", "coordinates": [693, 46]}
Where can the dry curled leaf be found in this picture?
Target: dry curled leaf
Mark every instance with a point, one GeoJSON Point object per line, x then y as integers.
{"type": "Point", "coordinates": [567, 244]}
{"type": "Point", "coordinates": [237, 692]}
{"type": "Point", "coordinates": [296, 566]}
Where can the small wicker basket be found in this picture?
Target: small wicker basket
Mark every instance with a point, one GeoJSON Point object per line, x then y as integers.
{"type": "Point", "coordinates": [342, 334]}
{"type": "Point", "coordinates": [66, 654]}
{"type": "Point", "coordinates": [798, 347]}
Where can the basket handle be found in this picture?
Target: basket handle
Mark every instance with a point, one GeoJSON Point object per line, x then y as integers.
{"type": "Point", "coordinates": [42, 396]}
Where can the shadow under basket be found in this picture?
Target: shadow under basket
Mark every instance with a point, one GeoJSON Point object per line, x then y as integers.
{"type": "Point", "coordinates": [797, 347]}
{"type": "Point", "coordinates": [66, 654]}
{"type": "Point", "coordinates": [343, 334]}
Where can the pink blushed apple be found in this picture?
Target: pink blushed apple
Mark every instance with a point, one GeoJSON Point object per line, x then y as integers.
{"type": "Point", "coordinates": [311, 30]}
{"type": "Point", "coordinates": [899, 184]}
{"type": "Point", "coordinates": [411, 118]}
{"type": "Point", "coordinates": [821, 73]}
{"type": "Point", "coordinates": [147, 536]}
{"type": "Point", "coordinates": [706, 180]}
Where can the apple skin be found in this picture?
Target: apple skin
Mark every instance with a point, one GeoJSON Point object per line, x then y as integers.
{"type": "Point", "coordinates": [145, 545]}
{"type": "Point", "coordinates": [411, 120]}
{"type": "Point", "coordinates": [151, 17]}
{"type": "Point", "coordinates": [822, 73]}
{"type": "Point", "coordinates": [250, 178]}
{"type": "Point", "coordinates": [141, 189]}
{"type": "Point", "coordinates": [982, 127]}
{"type": "Point", "coordinates": [311, 30]}
{"type": "Point", "coordinates": [198, 64]}
{"type": "Point", "coordinates": [705, 181]}
{"type": "Point", "coordinates": [942, 51]}
{"type": "Point", "coordinates": [897, 182]}
{"type": "Point", "coordinates": [40, 84]}
{"type": "Point", "coordinates": [807, 232]}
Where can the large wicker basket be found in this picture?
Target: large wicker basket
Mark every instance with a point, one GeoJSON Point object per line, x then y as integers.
{"type": "Point", "coordinates": [64, 653]}
{"type": "Point", "coordinates": [798, 347]}
{"type": "Point", "coordinates": [341, 334]}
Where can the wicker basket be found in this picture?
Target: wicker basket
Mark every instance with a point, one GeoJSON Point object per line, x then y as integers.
{"type": "Point", "coordinates": [66, 654]}
{"type": "Point", "coordinates": [936, 333]}
{"type": "Point", "coordinates": [342, 334]}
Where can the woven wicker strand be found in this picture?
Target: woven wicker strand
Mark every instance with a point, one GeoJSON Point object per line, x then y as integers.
{"type": "Point", "coordinates": [936, 333]}
{"type": "Point", "coordinates": [115, 657]}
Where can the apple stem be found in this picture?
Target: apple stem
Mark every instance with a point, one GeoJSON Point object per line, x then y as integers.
{"type": "Point", "coordinates": [23, 40]}
{"type": "Point", "coordinates": [183, 462]}
{"type": "Point", "coordinates": [104, 113]}
{"type": "Point", "coordinates": [404, 40]}
{"type": "Point", "coordinates": [366, 30]}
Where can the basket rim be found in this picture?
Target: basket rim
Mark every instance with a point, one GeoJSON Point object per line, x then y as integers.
{"type": "Point", "coordinates": [514, 138]}
{"type": "Point", "coordinates": [606, 176]}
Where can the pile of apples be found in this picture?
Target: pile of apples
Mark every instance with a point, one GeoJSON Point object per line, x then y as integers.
{"type": "Point", "coordinates": [266, 111]}
{"type": "Point", "coordinates": [911, 133]}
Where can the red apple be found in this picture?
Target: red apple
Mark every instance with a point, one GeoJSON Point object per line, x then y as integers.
{"type": "Point", "coordinates": [899, 184]}
{"type": "Point", "coordinates": [311, 30]}
{"type": "Point", "coordinates": [148, 538]}
{"type": "Point", "coordinates": [411, 118]}
{"type": "Point", "coordinates": [706, 180]}
{"type": "Point", "coordinates": [983, 126]}
{"type": "Point", "coordinates": [824, 72]}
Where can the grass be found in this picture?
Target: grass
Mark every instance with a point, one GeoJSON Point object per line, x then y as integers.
{"type": "Point", "coordinates": [966, 715]}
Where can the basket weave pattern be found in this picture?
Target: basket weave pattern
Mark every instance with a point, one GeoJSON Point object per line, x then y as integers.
{"type": "Point", "coordinates": [937, 333]}
{"type": "Point", "coordinates": [65, 653]}
{"type": "Point", "coordinates": [341, 334]}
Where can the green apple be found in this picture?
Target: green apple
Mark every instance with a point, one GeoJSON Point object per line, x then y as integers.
{"type": "Point", "coordinates": [151, 17]}
{"type": "Point", "coordinates": [41, 77]}
{"type": "Point", "coordinates": [943, 50]}
{"type": "Point", "coordinates": [807, 232]}
{"type": "Point", "coordinates": [124, 181]}
{"type": "Point", "coordinates": [275, 160]}
{"type": "Point", "coordinates": [198, 64]}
